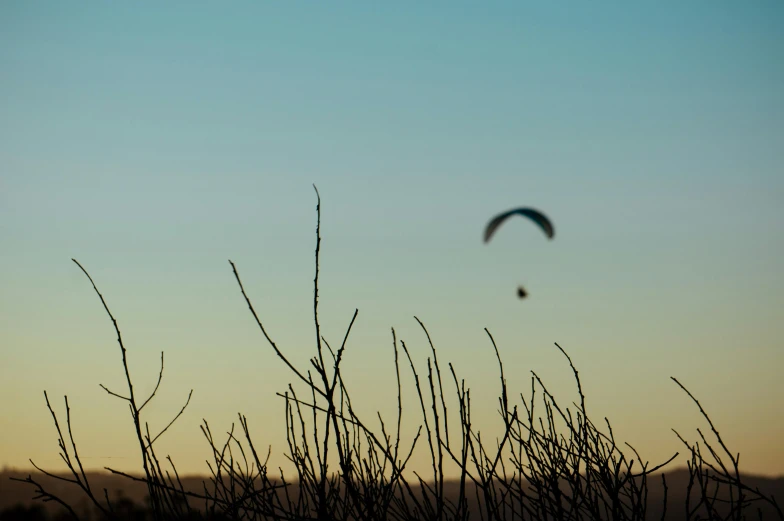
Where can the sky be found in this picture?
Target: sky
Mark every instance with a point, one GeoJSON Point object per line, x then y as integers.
{"type": "Point", "coordinates": [153, 142]}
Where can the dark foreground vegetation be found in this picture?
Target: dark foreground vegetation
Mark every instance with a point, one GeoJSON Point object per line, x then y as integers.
{"type": "Point", "coordinates": [550, 462]}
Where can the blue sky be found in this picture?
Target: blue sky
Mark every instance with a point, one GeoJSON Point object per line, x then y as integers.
{"type": "Point", "coordinates": [154, 142]}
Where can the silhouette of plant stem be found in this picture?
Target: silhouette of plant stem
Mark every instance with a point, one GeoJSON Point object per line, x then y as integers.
{"type": "Point", "coordinates": [548, 462]}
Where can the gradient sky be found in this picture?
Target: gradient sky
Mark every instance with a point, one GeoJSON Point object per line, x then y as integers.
{"type": "Point", "coordinates": [155, 141]}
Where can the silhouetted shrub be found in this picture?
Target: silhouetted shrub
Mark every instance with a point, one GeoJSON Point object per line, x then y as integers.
{"type": "Point", "coordinates": [550, 463]}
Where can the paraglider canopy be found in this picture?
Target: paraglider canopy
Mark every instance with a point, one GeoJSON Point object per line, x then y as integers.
{"type": "Point", "coordinates": [536, 216]}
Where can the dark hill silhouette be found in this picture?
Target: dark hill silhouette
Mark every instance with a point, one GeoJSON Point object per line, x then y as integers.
{"type": "Point", "coordinates": [15, 493]}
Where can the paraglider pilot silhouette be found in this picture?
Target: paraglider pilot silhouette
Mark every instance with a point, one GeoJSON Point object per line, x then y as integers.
{"type": "Point", "coordinates": [536, 216]}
